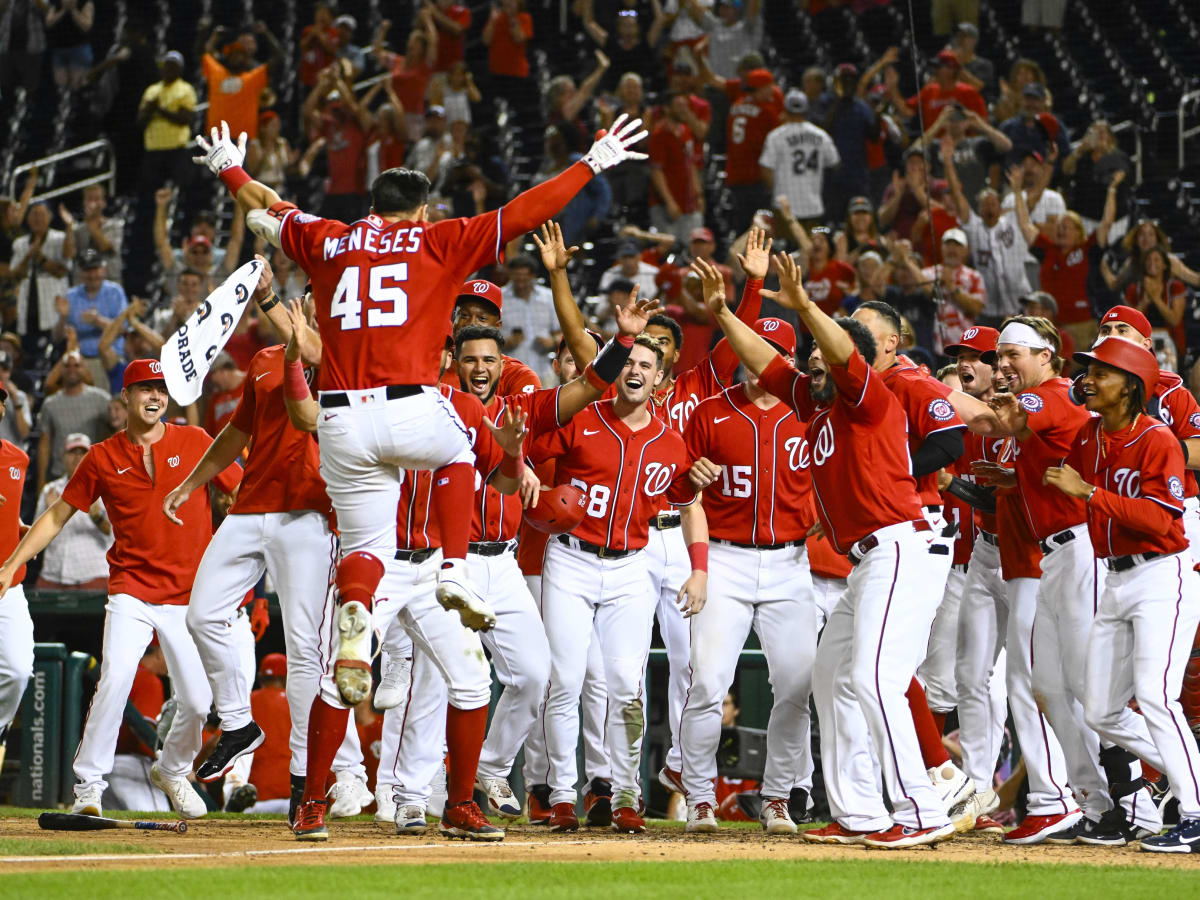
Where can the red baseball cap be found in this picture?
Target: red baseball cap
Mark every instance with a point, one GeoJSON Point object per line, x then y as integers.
{"type": "Point", "coordinates": [757, 78]}
{"type": "Point", "coordinates": [481, 290]}
{"type": "Point", "coordinates": [1126, 356]}
{"type": "Point", "coordinates": [948, 58]}
{"type": "Point", "coordinates": [777, 332]}
{"type": "Point", "coordinates": [273, 665]}
{"type": "Point", "coordinates": [701, 234]}
{"type": "Point", "coordinates": [1134, 318]}
{"type": "Point", "coordinates": [979, 338]}
{"type": "Point", "coordinates": [143, 370]}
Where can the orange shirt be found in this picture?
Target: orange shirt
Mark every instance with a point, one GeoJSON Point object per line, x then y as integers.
{"type": "Point", "coordinates": [269, 773]}
{"type": "Point", "coordinates": [13, 466]}
{"type": "Point", "coordinates": [151, 559]}
{"type": "Point", "coordinates": [506, 56]}
{"type": "Point", "coordinates": [233, 96]}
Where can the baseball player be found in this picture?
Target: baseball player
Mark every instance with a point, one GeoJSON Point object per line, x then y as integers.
{"type": "Point", "coordinates": [857, 438]}
{"type": "Point", "coordinates": [381, 414]}
{"type": "Point", "coordinates": [16, 628]}
{"type": "Point", "coordinates": [481, 303]}
{"type": "Point", "coordinates": [1128, 469]}
{"type": "Point", "coordinates": [760, 511]}
{"type": "Point", "coordinates": [151, 570]}
{"type": "Point", "coordinates": [623, 458]}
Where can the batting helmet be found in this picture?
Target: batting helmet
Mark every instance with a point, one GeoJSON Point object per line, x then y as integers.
{"type": "Point", "coordinates": [558, 510]}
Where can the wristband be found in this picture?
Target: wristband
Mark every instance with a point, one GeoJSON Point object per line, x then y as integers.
{"type": "Point", "coordinates": [611, 360]}
{"type": "Point", "coordinates": [510, 466]}
{"type": "Point", "coordinates": [625, 340]}
{"type": "Point", "coordinates": [271, 301]}
{"type": "Point", "coordinates": [698, 554]}
{"type": "Point", "coordinates": [295, 387]}
{"type": "Point", "coordinates": [234, 178]}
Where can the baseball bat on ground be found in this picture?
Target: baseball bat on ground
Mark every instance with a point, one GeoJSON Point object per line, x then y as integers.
{"type": "Point", "coordinates": [52, 821]}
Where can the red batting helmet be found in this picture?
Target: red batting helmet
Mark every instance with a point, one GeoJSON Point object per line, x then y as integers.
{"type": "Point", "coordinates": [273, 665]}
{"type": "Point", "coordinates": [558, 510]}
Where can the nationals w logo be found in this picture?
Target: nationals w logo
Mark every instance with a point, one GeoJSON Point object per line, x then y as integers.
{"type": "Point", "coordinates": [657, 478]}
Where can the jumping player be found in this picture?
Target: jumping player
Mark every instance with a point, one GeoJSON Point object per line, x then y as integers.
{"type": "Point", "coordinates": [16, 627]}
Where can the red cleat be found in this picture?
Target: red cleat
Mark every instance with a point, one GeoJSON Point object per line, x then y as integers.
{"type": "Point", "coordinates": [899, 837]}
{"type": "Point", "coordinates": [597, 804]}
{"type": "Point", "coordinates": [834, 834]}
{"type": "Point", "coordinates": [987, 825]}
{"type": "Point", "coordinates": [537, 808]}
{"type": "Point", "coordinates": [310, 821]}
{"type": "Point", "coordinates": [563, 818]}
{"type": "Point", "coordinates": [625, 820]}
{"type": "Point", "coordinates": [1035, 829]}
{"type": "Point", "coordinates": [466, 820]}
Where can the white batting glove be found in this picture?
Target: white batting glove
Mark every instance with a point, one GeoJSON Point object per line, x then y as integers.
{"type": "Point", "coordinates": [613, 149]}
{"type": "Point", "coordinates": [222, 152]}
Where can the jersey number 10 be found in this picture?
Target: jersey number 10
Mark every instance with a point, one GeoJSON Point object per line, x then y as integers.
{"type": "Point", "coordinates": [347, 306]}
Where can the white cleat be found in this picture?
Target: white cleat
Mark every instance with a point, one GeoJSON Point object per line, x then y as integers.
{"type": "Point", "coordinates": [454, 592]}
{"type": "Point", "coordinates": [500, 798]}
{"type": "Point", "coordinates": [352, 668]}
{"type": "Point", "coordinates": [410, 820]}
{"type": "Point", "coordinates": [184, 799]}
{"type": "Point", "coordinates": [775, 818]}
{"type": "Point", "coordinates": [957, 791]}
{"type": "Point", "coordinates": [394, 683]}
{"type": "Point", "coordinates": [348, 796]}
{"type": "Point", "coordinates": [87, 800]}
{"type": "Point", "coordinates": [701, 820]}
{"type": "Point", "coordinates": [385, 806]}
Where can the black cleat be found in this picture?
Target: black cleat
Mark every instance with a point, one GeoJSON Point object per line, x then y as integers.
{"type": "Point", "coordinates": [231, 745]}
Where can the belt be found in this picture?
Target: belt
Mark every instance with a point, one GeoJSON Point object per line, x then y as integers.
{"type": "Point", "coordinates": [392, 392]}
{"type": "Point", "coordinates": [491, 548]}
{"type": "Point", "coordinates": [780, 546]}
{"type": "Point", "coordinates": [873, 540]}
{"type": "Point", "coordinates": [959, 567]}
{"type": "Point", "coordinates": [666, 521]}
{"type": "Point", "coordinates": [1057, 540]}
{"type": "Point", "coordinates": [989, 538]}
{"type": "Point", "coordinates": [933, 508]}
{"type": "Point", "coordinates": [595, 549]}
{"type": "Point", "coordinates": [1125, 563]}
{"type": "Point", "coordinates": [415, 556]}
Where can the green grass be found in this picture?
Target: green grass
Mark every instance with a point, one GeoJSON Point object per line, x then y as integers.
{"type": "Point", "coordinates": [875, 877]}
{"type": "Point", "coordinates": [48, 846]}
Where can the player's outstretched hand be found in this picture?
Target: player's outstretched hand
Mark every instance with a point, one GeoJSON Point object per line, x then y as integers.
{"type": "Point", "coordinates": [531, 487]}
{"type": "Point", "coordinates": [555, 253]}
{"type": "Point", "coordinates": [633, 316]}
{"type": "Point", "coordinates": [222, 152]}
{"type": "Point", "coordinates": [791, 293]}
{"type": "Point", "coordinates": [266, 279]}
{"type": "Point", "coordinates": [612, 148]}
{"type": "Point", "coordinates": [991, 474]}
{"type": "Point", "coordinates": [1010, 412]}
{"type": "Point", "coordinates": [173, 501]}
{"type": "Point", "coordinates": [295, 313]}
{"type": "Point", "coordinates": [703, 473]}
{"type": "Point", "coordinates": [757, 258]}
{"type": "Point", "coordinates": [694, 594]}
{"type": "Point", "coordinates": [1068, 481]}
{"type": "Point", "coordinates": [712, 282]}
{"type": "Point", "coordinates": [511, 435]}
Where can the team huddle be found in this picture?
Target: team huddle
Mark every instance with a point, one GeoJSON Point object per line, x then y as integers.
{"type": "Point", "coordinates": [1014, 542]}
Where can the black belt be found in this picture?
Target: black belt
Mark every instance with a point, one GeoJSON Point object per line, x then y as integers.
{"type": "Point", "coordinates": [780, 546]}
{"type": "Point", "coordinates": [989, 538]}
{"type": "Point", "coordinates": [870, 542]}
{"type": "Point", "coordinates": [959, 567]}
{"type": "Point", "coordinates": [1056, 540]}
{"type": "Point", "coordinates": [491, 548]}
{"type": "Point", "coordinates": [666, 521]}
{"type": "Point", "coordinates": [594, 549]}
{"type": "Point", "coordinates": [393, 392]}
{"type": "Point", "coordinates": [1125, 563]}
{"type": "Point", "coordinates": [933, 508]}
{"type": "Point", "coordinates": [415, 556]}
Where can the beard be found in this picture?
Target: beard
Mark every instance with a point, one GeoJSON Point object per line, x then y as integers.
{"type": "Point", "coordinates": [823, 395]}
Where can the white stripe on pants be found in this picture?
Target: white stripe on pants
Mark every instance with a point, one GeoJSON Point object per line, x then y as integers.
{"type": "Point", "coordinates": [16, 653]}
{"type": "Point", "coordinates": [669, 567]}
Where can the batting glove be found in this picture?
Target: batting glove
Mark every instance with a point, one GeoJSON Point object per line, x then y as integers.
{"type": "Point", "coordinates": [222, 153]}
{"type": "Point", "coordinates": [612, 149]}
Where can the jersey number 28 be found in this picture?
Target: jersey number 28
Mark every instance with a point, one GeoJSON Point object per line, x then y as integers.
{"type": "Point", "coordinates": [347, 306]}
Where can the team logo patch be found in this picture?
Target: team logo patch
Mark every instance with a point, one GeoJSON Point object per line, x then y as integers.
{"type": "Point", "coordinates": [301, 217]}
{"type": "Point", "coordinates": [969, 334]}
{"type": "Point", "coordinates": [1032, 402]}
{"type": "Point", "coordinates": [481, 287]}
{"type": "Point", "coordinates": [1194, 419]}
{"type": "Point", "coordinates": [1175, 486]}
{"type": "Point", "coordinates": [14, 472]}
{"type": "Point", "coordinates": [941, 410]}
{"type": "Point", "coordinates": [770, 324]}
{"type": "Point", "coordinates": [173, 461]}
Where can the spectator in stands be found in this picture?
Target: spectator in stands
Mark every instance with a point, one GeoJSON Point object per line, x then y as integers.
{"type": "Point", "coordinates": [944, 89]}
{"type": "Point", "coordinates": [318, 44]}
{"type": "Point", "coordinates": [1146, 234]}
{"type": "Point", "coordinates": [1034, 129]}
{"type": "Point", "coordinates": [587, 209]}
{"type": "Point", "coordinates": [795, 158]}
{"type": "Point", "coordinates": [977, 149]}
{"type": "Point", "coordinates": [697, 114]}
{"type": "Point", "coordinates": [732, 34]}
{"type": "Point", "coordinates": [530, 326]}
{"type": "Point", "coordinates": [565, 104]}
{"type": "Point", "coordinates": [852, 123]}
{"type": "Point", "coordinates": [827, 280]}
{"type": "Point", "coordinates": [387, 143]}
{"type": "Point", "coordinates": [15, 425]}
{"type": "Point", "coordinates": [10, 343]}
{"type": "Point", "coordinates": [333, 112]}
{"type": "Point", "coordinates": [412, 70]}
{"type": "Point", "coordinates": [1020, 74]}
{"type": "Point", "coordinates": [76, 560]}
{"type": "Point", "coordinates": [909, 194]}
{"type": "Point", "coordinates": [426, 153]}
{"type": "Point", "coordinates": [1045, 204]}
{"type": "Point", "coordinates": [192, 287]}
{"type": "Point", "coordinates": [88, 308]}
{"type": "Point", "coordinates": [948, 13]}
{"type": "Point", "coordinates": [860, 232]}
{"type": "Point", "coordinates": [1089, 168]}
{"type": "Point", "coordinates": [68, 34]}
{"type": "Point", "coordinates": [815, 84]}
{"type": "Point", "coordinates": [625, 47]}
{"type": "Point", "coordinates": [906, 292]}
{"type": "Point", "coordinates": [138, 340]}
{"type": "Point", "coordinates": [958, 288]}
{"type": "Point", "coordinates": [165, 114]}
{"type": "Point", "coordinates": [753, 115]}
{"type": "Point", "coordinates": [684, 24]}
{"type": "Point", "coordinates": [40, 265]}
{"type": "Point", "coordinates": [452, 20]}
{"type": "Point", "coordinates": [1162, 298]}
{"type": "Point", "coordinates": [236, 81]}
{"type": "Point", "coordinates": [198, 251]}
{"type": "Point", "coordinates": [12, 214]}
{"type": "Point", "coordinates": [476, 180]}
{"type": "Point", "coordinates": [455, 91]}
{"type": "Point", "coordinates": [630, 181]}
{"type": "Point", "coordinates": [976, 71]}
{"type": "Point", "coordinates": [22, 42]}
{"type": "Point", "coordinates": [1039, 303]}
{"type": "Point", "coordinates": [629, 266]}
{"type": "Point", "coordinates": [507, 34]}
{"type": "Point", "coordinates": [601, 310]}
{"type": "Point", "coordinates": [97, 232]}
{"type": "Point", "coordinates": [677, 201]}
{"type": "Point", "coordinates": [871, 281]}
{"type": "Point", "coordinates": [77, 408]}
{"type": "Point", "coordinates": [269, 157]}
{"type": "Point", "coordinates": [224, 390]}
{"type": "Point", "coordinates": [351, 56]}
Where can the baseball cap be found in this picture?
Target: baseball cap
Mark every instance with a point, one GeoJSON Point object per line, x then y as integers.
{"type": "Point", "coordinates": [1034, 89]}
{"type": "Point", "coordinates": [1126, 356]}
{"type": "Point", "coordinates": [629, 248]}
{"type": "Point", "coordinates": [860, 204]}
{"type": "Point", "coordinates": [979, 338]}
{"type": "Point", "coordinates": [77, 441]}
{"type": "Point", "coordinates": [947, 58]}
{"type": "Point", "coordinates": [173, 56]}
{"type": "Point", "coordinates": [1043, 299]}
{"type": "Point", "coordinates": [347, 20]}
{"type": "Point", "coordinates": [777, 332]}
{"type": "Point", "coordinates": [968, 29]}
{"type": "Point", "coordinates": [140, 370]}
{"type": "Point", "coordinates": [198, 239]}
{"type": "Point", "coordinates": [91, 259]}
{"type": "Point", "coordinates": [273, 665]}
{"type": "Point", "coordinates": [955, 234]}
{"type": "Point", "coordinates": [480, 290]}
{"type": "Point", "coordinates": [757, 78]}
{"type": "Point", "coordinates": [796, 102]}
{"type": "Point", "coordinates": [1134, 318]}
{"type": "Point", "coordinates": [701, 234]}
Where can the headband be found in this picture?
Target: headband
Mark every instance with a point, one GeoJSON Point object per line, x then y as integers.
{"type": "Point", "coordinates": [1023, 336]}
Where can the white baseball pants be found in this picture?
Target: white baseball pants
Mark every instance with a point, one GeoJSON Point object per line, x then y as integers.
{"type": "Point", "coordinates": [16, 653]}
{"type": "Point", "coordinates": [129, 786]}
{"type": "Point", "coordinates": [129, 625]}
{"type": "Point", "coordinates": [1140, 644]}
{"type": "Point", "coordinates": [670, 567]}
{"type": "Point", "coordinates": [769, 591]}
{"type": "Point", "coordinates": [827, 593]}
{"type": "Point", "coordinates": [1191, 525]}
{"type": "Point", "coordinates": [936, 672]}
{"type": "Point", "coordinates": [581, 591]}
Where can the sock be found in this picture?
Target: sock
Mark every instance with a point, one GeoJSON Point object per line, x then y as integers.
{"type": "Point", "coordinates": [939, 719]}
{"type": "Point", "coordinates": [453, 496]}
{"type": "Point", "coordinates": [928, 735]}
{"type": "Point", "coordinates": [326, 730]}
{"type": "Point", "coordinates": [464, 737]}
{"type": "Point", "coordinates": [358, 575]}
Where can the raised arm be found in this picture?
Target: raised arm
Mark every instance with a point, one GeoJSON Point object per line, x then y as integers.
{"type": "Point", "coordinates": [834, 341]}
{"type": "Point", "coordinates": [555, 256]}
{"type": "Point", "coordinates": [162, 199]}
{"type": "Point", "coordinates": [753, 351]}
{"type": "Point", "coordinates": [302, 407]}
{"type": "Point", "coordinates": [1028, 230]}
{"type": "Point", "coordinates": [575, 105]}
{"type": "Point", "coordinates": [1110, 208]}
{"type": "Point", "coordinates": [890, 56]}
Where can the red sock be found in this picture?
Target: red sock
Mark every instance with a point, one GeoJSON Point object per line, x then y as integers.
{"type": "Point", "coordinates": [928, 735]}
{"type": "Point", "coordinates": [939, 719]}
{"type": "Point", "coordinates": [358, 576]}
{"type": "Point", "coordinates": [464, 737]}
{"type": "Point", "coordinates": [453, 494]}
{"type": "Point", "coordinates": [326, 730]}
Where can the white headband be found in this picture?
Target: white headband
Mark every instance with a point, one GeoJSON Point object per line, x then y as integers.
{"type": "Point", "coordinates": [1023, 336]}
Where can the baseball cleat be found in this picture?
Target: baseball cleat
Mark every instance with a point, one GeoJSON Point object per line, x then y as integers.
{"type": "Point", "coordinates": [563, 818]}
{"type": "Point", "coordinates": [1183, 838]}
{"type": "Point", "coordinates": [295, 799]}
{"type": "Point", "coordinates": [500, 798]}
{"type": "Point", "coordinates": [241, 798]}
{"type": "Point", "coordinates": [953, 785]}
{"type": "Point", "coordinates": [87, 800]}
{"type": "Point", "coordinates": [1069, 835]}
{"type": "Point", "coordinates": [410, 819]}
{"type": "Point", "coordinates": [352, 668]}
{"type": "Point", "coordinates": [385, 806]}
{"type": "Point", "coordinates": [394, 682]}
{"type": "Point", "coordinates": [799, 806]}
{"type": "Point", "coordinates": [625, 820]}
{"type": "Point", "coordinates": [1035, 829]}
{"type": "Point", "coordinates": [962, 816]}
{"type": "Point", "coordinates": [985, 824]}
{"type": "Point", "coordinates": [597, 804]}
{"type": "Point", "coordinates": [671, 780]}
{"type": "Point", "coordinates": [348, 796]}
{"type": "Point", "coordinates": [454, 593]}
{"type": "Point", "coordinates": [834, 833]}
{"type": "Point", "coordinates": [1110, 831]}
{"type": "Point", "coordinates": [774, 816]}
{"type": "Point", "coordinates": [466, 821]}
{"type": "Point", "coordinates": [900, 836]}
{"type": "Point", "coordinates": [986, 802]}
{"type": "Point", "coordinates": [310, 821]}
{"type": "Point", "coordinates": [232, 745]}
{"type": "Point", "coordinates": [701, 819]}
{"type": "Point", "coordinates": [184, 799]}
{"type": "Point", "coordinates": [537, 806]}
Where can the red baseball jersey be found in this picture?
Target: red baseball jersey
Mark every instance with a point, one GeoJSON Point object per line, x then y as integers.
{"type": "Point", "coordinates": [861, 471]}
{"type": "Point", "coordinates": [1054, 421]}
{"type": "Point", "coordinates": [221, 405]}
{"type": "Point", "coordinates": [764, 493]}
{"type": "Point", "coordinates": [623, 473]}
{"type": "Point", "coordinates": [269, 772]}
{"type": "Point", "coordinates": [746, 130]}
{"type": "Point", "coordinates": [385, 290]}
{"type": "Point", "coordinates": [824, 561]}
{"type": "Point", "coordinates": [151, 558]}
{"type": "Point", "coordinates": [1179, 411]}
{"type": "Point", "coordinates": [923, 399]}
{"type": "Point", "coordinates": [1020, 553]}
{"type": "Point", "coordinates": [1138, 475]}
{"type": "Point", "coordinates": [283, 466]}
{"type": "Point", "coordinates": [14, 464]}
{"type": "Point", "coordinates": [515, 378]}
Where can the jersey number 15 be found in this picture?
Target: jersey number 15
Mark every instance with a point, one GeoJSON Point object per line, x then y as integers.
{"type": "Point", "coordinates": [347, 306]}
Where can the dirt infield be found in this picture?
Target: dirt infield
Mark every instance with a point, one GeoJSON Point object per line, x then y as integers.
{"type": "Point", "coordinates": [224, 843]}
